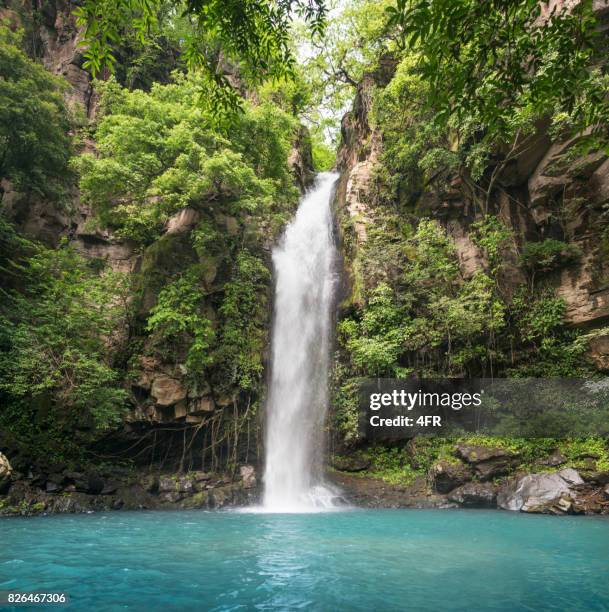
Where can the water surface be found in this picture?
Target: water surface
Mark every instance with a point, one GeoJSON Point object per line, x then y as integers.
{"type": "Point", "coordinates": [357, 560]}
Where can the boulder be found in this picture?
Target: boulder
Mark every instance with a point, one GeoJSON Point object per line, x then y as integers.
{"type": "Point", "coordinates": [597, 478]}
{"type": "Point", "coordinates": [475, 495]}
{"type": "Point", "coordinates": [350, 463]}
{"type": "Point", "coordinates": [166, 484]}
{"type": "Point", "coordinates": [248, 476]}
{"type": "Point", "coordinates": [57, 478]}
{"type": "Point", "coordinates": [534, 493]}
{"type": "Point", "coordinates": [95, 483]}
{"type": "Point", "coordinates": [448, 476]}
{"type": "Point", "coordinates": [109, 488]}
{"type": "Point", "coordinates": [554, 459]}
{"type": "Point", "coordinates": [598, 351]}
{"type": "Point", "coordinates": [180, 485]}
{"type": "Point", "coordinates": [167, 391]}
{"type": "Point", "coordinates": [487, 462]}
{"type": "Point", "coordinates": [150, 483]}
{"type": "Point", "coordinates": [571, 476]}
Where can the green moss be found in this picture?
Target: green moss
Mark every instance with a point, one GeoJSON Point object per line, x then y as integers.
{"type": "Point", "coordinates": [198, 500]}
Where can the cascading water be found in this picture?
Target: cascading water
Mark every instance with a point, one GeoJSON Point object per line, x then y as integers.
{"type": "Point", "coordinates": [305, 263]}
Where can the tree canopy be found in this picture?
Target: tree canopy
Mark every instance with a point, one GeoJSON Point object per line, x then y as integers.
{"type": "Point", "coordinates": [255, 34]}
{"type": "Point", "coordinates": [34, 124]}
{"type": "Point", "coordinates": [500, 65]}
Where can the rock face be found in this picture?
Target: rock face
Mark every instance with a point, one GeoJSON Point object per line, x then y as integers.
{"type": "Point", "coordinates": [167, 391]}
{"type": "Point", "coordinates": [301, 158]}
{"type": "Point", "coordinates": [475, 495]}
{"type": "Point", "coordinates": [547, 179]}
{"type": "Point", "coordinates": [447, 476]}
{"type": "Point", "coordinates": [486, 462]}
{"type": "Point", "coordinates": [59, 38]}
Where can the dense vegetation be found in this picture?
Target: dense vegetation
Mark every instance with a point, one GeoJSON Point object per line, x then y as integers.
{"type": "Point", "coordinates": [456, 92]}
{"type": "Point", "coordinates": [75, 333]}
{"type": "Point", "coordinates": [201, 104]}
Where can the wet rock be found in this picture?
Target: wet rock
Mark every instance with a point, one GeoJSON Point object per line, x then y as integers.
{"type": "Point", "coordinates": [5, 473]}
{"type": "Point", "coordinates": [533, 492]}
{"type": "Point", "coordinates": [52, 487]}
{"type": "Point", "coordinates": [95, 483]}
{"type": "Point", "coordinates": [487, 462]}
{"type": "Point", "coordinates": [350, 463]}
{"type": "Point", "coordinates": [248, 476]}
{"type": "Point", "coordinates": [109, 488]}
{"type": "Point", "coordinates": [166, 484]}
{"type": "Point", "coordinates": [448, 476]}
{"type": "Point", "coordinates": [150, 483]}
{"type": "Point", "coordinates": [475, 495]}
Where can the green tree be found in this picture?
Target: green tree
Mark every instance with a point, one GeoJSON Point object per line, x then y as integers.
{"type": "Point", "coordinates": [251, 33]}
{"type": "Point", "coordinates": [34, 124]}
{"type": "Point", "coordinates": [58, 333]}
{"type": "Point", "coordinates": [159, 152]}
{"type": "Point", "coordinates": [499, 66]}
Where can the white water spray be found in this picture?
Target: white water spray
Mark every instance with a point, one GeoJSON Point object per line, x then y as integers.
{"type": "Point", "coordinates": [305, 270]}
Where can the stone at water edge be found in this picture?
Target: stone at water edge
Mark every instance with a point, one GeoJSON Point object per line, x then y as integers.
{"type": "Point", "coordinates": [5, 473]}
{"type": "Point", "coordinates": [571, 476]}
{"type": "Point", "coordinates": [248, 476]}
{"type": "Point", "coordinates": [448, 476]}
{"type": "Point", "coordinates": [475, 495]}
{"type": "Point", "coordinates": [539, 492]}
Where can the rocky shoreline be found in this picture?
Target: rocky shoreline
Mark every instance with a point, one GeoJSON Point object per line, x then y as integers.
{"type": "Point", "coordinates": [63, 490]}
{"type": "Point", "coordinates": [481, 478]}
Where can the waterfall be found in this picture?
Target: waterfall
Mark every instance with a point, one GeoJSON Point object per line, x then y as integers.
{"type": "Point", "coordinates": [305, 273]}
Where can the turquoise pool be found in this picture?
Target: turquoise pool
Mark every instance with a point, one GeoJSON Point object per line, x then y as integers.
{"type": "Point", "coordinates": [353, 560]}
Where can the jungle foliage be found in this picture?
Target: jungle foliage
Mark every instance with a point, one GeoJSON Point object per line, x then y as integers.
{"type": "Point", "coordinates": [254, 34]}
{"type": "Point", "coordinates": [34, 123]}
